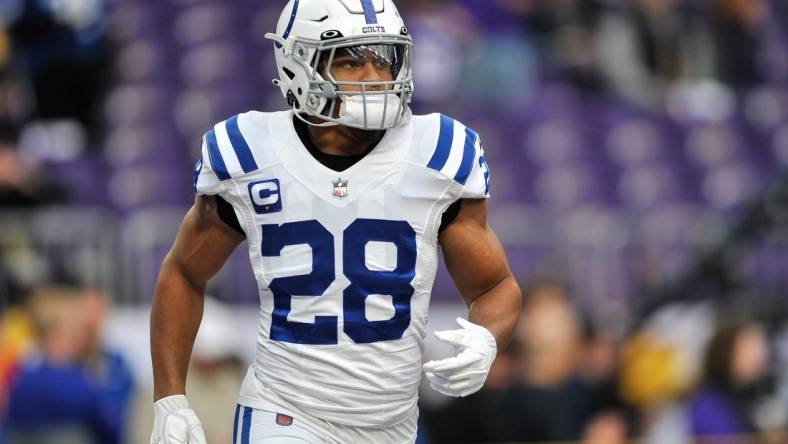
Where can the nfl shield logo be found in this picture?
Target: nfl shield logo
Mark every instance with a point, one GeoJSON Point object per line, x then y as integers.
{"type": "Point", "coordinates": [340, 188]}
{"type": "Point", "coordinates": [284, 420]}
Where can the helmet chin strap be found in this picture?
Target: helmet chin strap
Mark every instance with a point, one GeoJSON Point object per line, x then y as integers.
{"type": "Point", "coordinates": [321, 125]}
{"type": "Point", "coordinates": [355, 114]}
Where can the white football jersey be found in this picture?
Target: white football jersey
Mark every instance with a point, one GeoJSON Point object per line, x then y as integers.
{"type": "Point", "coordinates": [344, 261]}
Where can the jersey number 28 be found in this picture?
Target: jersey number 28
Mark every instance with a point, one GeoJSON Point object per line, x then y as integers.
{"type": "Point", "coordinates": [363, 281]}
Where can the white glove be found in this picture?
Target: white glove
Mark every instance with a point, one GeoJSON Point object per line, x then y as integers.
{"type": "Point", "coordinates": [465, 373]}
{"type": "Point", "coordinates": [175, 423]}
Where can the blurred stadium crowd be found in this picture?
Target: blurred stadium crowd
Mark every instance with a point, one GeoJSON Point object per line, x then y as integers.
{"type": "Point", "coordinates": [639, 151]}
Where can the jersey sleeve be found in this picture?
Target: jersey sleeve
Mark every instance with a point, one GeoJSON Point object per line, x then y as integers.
{"type": "Point", "coordinates": [226, 156]}
{"type": "Point", "coordinates": [457, 154]}
{"type": "Point", "coordinates": [207, 181]}
{"type": "Point", "coordinates": [478, 184]}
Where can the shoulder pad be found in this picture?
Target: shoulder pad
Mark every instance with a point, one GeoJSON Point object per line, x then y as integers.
{"type": "Point", "coordinates": [228, 150]}
{"type": "Point", "coordinates": [455, 150]}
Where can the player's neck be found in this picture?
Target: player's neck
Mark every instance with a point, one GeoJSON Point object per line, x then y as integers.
{"type": "Point", "coordinates": [342, 140]}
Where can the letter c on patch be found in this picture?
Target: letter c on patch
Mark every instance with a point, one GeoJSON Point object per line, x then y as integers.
{"type": "Point", "coordinates": [266, 197]}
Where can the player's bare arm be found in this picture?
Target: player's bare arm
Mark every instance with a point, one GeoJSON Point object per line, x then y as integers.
{"type": "Point", "coordinates": [202, 246]}
{"type": "Point", "coordinates": [477, 263]}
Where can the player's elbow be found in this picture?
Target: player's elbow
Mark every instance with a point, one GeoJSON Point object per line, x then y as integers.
{"type": "Point", "coordinates": [174, 276]}
{"type": "Point", "coordinates": [516, 293]}
{"type": "Point", "coordinates": [511, 299]}
{"type": "Point", "coordinates": [509, 302]}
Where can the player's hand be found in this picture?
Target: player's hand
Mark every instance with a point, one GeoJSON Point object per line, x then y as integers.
{"type": "Point", "coordinates": [175, 423]}
{"type": "Point", "coordinates": [465, 373]}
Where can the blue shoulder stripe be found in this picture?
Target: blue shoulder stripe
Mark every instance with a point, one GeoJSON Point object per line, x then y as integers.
{"type": "Point", "coordinates": [445, 138]}
{"type": "Point", "coordinates": [240, 146]}
{"type": "Point", "coordinates": [247, 425]}
{"type": "Point", "coordinates": [467, 156]}
{"type": "Point", "coordinates": [215, 156]}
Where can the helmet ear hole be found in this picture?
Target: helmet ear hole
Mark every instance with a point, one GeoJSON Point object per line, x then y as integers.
{"type": "Point", "coordinates": [313, 102]}
{"type": "Point", "coordinates": [291, 99]}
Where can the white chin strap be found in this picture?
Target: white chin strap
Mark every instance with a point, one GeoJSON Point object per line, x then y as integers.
{"type": "Point", "coordinates": [351, 112]}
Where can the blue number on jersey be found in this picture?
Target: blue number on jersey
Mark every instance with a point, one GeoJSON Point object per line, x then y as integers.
{"type": "Point", "coordinates": [363, 281]}
{"type": "Point", "coordinates": [277, 237]}
{"type": "Point", "coordinates": [486, 169]}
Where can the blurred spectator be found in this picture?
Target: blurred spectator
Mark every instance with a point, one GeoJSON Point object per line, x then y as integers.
{"type": "Point", "coordinates": [69, 390]}
{"type": "Point", "coordinates": [563, 31]}
{"type": "Point", "coordinates": [5, 47]}
{"type": "Point", "coordinates": [646, 45]}
{"type": "Point", "coordinates": [552, 384]}
{"type": "Point", "coordinates": [660, 363]}
{"type": "Point", "coordinates": [726, 402]}
{"type": "Point", "coordinates": [16, 332]}
{"type": "Point", "coordinates": [63, 50]}
{"type": "Point", "coordinates": [20, 185]}
{"type": "Point", "coordinates": [609, 427]}
{"type": "Point", "coordinates": [738, 30]}
{"type": "Point", "coordinates": [6, 123]}
{"type": "Point", "coordinates": [553, 400]}
{"type": "Point", "coordinates": [598, 369]}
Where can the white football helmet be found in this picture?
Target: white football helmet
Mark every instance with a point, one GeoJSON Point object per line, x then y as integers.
{"type": "Point", "coordinates": [312, 33]}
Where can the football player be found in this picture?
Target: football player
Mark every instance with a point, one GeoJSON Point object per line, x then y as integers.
{"type": "Point", "coordinates": [343, 202]}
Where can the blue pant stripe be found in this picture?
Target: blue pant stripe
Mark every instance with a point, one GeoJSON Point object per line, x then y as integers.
{"type": "Point", "coordinates": [235, 423]}
{"type": "Point", "coordinates": [445, 139]}
{"type": "Point", "coordinates": [215, 156]}
{"type": "Point", "coordinates": [467, 156]}
{"type": "Point", "coordinates": [247, 425]}
{"type": "Point", "coordinates": [240, 146]}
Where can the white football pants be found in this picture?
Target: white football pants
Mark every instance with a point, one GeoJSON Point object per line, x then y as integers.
{"type": "Point", "coordinates": [252, 426]}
